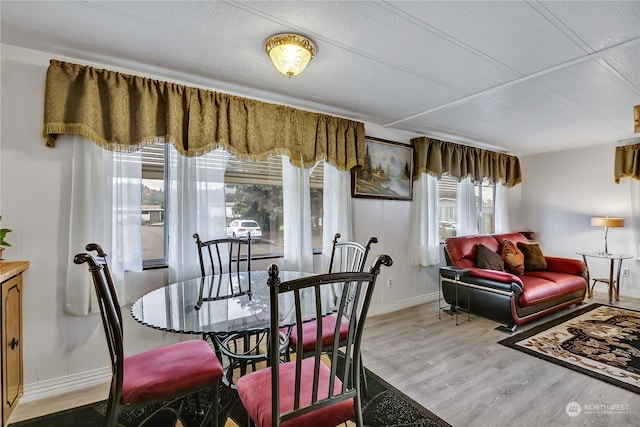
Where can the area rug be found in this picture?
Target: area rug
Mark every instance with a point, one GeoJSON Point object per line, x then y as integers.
{"type": "Point", "coordinates": [385, 406]}
{"type": "Point", "coordinates": [598, 340]}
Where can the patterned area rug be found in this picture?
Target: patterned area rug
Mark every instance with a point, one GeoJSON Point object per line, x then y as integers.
{"type": "Point", "coordinates": [385, 406]}
{"type": "Point", "coordinates": [598, 340]}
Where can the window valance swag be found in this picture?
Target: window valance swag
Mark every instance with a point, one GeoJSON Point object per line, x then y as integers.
{"type": "Point", "coordinates": [437, 158]}
{"type": "Point", "coordinates": [122, 112]}
{"type": "Point", "coordinates": [627, 163]}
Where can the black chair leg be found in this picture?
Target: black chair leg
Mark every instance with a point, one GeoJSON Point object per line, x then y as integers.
{"type": "Point", "coordinates": [365, 385]}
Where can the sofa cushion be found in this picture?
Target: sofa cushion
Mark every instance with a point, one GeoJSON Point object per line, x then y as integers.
{"type": "Point", "coordinates": [488, 259]}
{"type": "Point", "coordinates": [533, 257]}
{"type": "Point", "coordinates": [462, 249]}
{"type": "Point", "coordinates": [541, 286]}
{"type": "Point", "coordinates": [512, 256]}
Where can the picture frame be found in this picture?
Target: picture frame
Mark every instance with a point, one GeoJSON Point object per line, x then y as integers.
{"type": "Point", "coordinates": [387, 172]}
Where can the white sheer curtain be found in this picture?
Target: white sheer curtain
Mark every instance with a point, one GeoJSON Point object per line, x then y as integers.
{"type": "Point", "coordinates": [196, 204]}
{"type": "Point", "coordinates": [336, 210]}
{"type": "Point", "coordinates": [296, 200]}
{"type": "Point", "coordinates": [426, 220]}
{"type": "Point", "coordinates": [635, 213]}
{"type": "Point", "coordinates": [501, 209]}
{"type": "Point", "coordinates": [105, 209]}
{"type": "Point", "coordinates": [466, 209]}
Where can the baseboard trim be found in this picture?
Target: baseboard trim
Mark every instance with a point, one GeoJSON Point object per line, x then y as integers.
{"type": "Point", "coordinates": [399, 305]}
{"type": "Point", "coordinates": [62, 385]}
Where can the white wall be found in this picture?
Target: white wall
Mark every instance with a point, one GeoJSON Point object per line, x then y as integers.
{"type": "Point", "coordinates": [560, 193]}
{"type": "Point", "coordinates": [62, 351]}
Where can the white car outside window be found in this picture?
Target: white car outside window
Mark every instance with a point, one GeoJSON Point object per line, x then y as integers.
{"type": "Point", "coordinates": [240, 228]}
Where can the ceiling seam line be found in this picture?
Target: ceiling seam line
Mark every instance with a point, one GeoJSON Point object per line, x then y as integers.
{"type": "Point", "coordinates": [591, 56]}
{"type": "Point", "coordinates": [449, 38]}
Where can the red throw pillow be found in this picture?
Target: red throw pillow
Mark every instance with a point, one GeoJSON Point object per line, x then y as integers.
{"type": "Point", "coordinates": [512, 256]}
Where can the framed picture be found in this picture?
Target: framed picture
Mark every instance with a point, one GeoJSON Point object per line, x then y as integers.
{"type": "Point", "coordinates": [387, 172]}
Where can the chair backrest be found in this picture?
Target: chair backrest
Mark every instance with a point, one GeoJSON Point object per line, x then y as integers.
{"type": "Point", "coordinates": [111, 319]}
{"type": "Point", "coordinates": [349, 256]}
{"type": "Point", "coordinates": [356, 290]}
{"type": "Point", "coordinates": [224, 255]}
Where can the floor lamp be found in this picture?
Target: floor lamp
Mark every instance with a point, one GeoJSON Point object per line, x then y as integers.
{"type": "Point", "coordinates": [607, 222]}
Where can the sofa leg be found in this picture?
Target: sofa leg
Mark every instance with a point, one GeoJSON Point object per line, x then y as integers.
{"type": "Point", "coordinates": [507, 328]}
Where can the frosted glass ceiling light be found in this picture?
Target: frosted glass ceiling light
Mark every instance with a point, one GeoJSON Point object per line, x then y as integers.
{"type": "Point", "coordinates": [290, 53]}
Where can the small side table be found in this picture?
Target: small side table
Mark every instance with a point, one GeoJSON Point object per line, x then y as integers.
{"type": "Point", "coordinates": [458, 272]}
{"type": "Point", "coordinates": [614, 285]}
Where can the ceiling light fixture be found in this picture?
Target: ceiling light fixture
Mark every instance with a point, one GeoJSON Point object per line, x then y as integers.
{"type": "Point", "coordinates": [290, 53]}
{"type": "Point", "coordinates": [636, 113]}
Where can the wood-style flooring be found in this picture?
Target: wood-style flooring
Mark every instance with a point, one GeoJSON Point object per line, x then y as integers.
{"type": "Point", "coordinates": [464, 376]}
{"type": "Point", "coordinates": [461, 374]}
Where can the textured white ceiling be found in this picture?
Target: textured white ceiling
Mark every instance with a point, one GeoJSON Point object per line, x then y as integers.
{"type": "Point", "coordinates": [523, 77]}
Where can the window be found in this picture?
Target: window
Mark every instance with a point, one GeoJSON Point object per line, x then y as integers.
{"type": "Point", "coordinates": [253, 201]}
{"type": "Point", "coordinates": [254, 192]}
{"type": "Point", "coordinates": [154, 236]}
{"type": "Point", "coordinates": [485, 202]}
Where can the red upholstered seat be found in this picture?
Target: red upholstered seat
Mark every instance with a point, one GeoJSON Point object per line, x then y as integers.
{"type": "Point", "coordinates": [168, 370]}
{"type": "Point", "coordinates": [253, 389]}
{"type": "Point", "coordinates": [309, 332]}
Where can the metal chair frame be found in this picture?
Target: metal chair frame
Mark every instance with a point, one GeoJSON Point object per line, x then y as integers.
{"type": "Point", "coordinates": [233, 255]}
{"type": "Point", "coordinates": [113, 327]}
{"type": "Point", "coordinates": [350, 257]}
{"type": "Point", "coordinates": [354, 299]}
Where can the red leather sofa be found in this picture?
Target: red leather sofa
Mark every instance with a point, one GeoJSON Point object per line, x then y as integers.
{"type": "Point", "coordinates": [509, 298]}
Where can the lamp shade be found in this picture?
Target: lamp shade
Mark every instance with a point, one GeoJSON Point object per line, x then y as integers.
{"type": "Point", "coordinates": [607, 222]}
{"type": "Point", "coordinates": [290, 53]}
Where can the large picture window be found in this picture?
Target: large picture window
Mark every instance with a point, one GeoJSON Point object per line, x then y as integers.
{"type": "Point", "coordinates": [253, 196]}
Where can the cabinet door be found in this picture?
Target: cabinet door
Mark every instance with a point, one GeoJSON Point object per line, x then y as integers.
{"type": "Point", "coordinates": [11, 344]}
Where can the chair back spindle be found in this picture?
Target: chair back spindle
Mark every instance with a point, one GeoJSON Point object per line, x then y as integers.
{"type": "Point", "coordinates": [349, 256]}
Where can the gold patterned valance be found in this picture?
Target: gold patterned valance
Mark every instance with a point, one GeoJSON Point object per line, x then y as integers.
{"type": "Point", "coordinates": [437, 157]}
{"type": "Point", "coordinates": [627, 163]}
{"type": "Point", "coordinates": [122, 112]}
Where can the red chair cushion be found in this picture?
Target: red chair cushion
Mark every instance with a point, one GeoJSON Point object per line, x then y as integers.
{"type": "Point", "coordinates": [168, 370]}
{"type": "Point", "coordinates": [254, 390]}
{"type": "Point", "coordinates": [309, 331]}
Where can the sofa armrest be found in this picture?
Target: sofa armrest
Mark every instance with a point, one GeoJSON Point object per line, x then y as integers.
{"type": "Point", "coordinates": [565, 265]}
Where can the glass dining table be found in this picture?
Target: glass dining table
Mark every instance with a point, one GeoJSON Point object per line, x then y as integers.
{"type": "Point", "coordinates": [225, 306]}
{"type": "Point", "coordinates": [221, 304]}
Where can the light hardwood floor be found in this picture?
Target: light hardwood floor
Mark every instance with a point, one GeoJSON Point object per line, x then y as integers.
{"type": "Point", "coordinates": [461, 374]}
{"type": "Point", "coordinates": [464, 376]}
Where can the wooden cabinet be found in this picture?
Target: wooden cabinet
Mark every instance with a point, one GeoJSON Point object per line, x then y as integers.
{"type": "Point", "coordinates": [11, 317]}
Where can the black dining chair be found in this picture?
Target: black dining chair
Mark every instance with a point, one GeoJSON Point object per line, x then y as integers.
{"type": "Point", "coordinates": [345, 257]}
{"type": "Point", "coordinates": [233, 255]}
{"type": "Point", "coordinates": [163, 375]}
{"type": "Point", "coordinates": [322, 390]}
